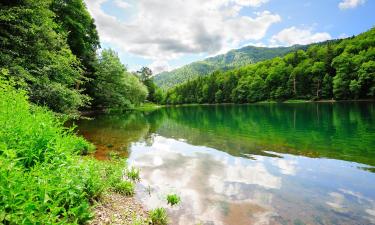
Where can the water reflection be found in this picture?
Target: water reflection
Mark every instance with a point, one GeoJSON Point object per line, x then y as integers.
{"type": "Point", "coordinates": [218, 188]}
{"type": "Point", "coordinates": [256, 164]}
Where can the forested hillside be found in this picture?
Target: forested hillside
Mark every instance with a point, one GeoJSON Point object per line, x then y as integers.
{"type": "Point", "coordinates": [49, 48]}
{"type": "Point", "coordinates": [230, 60]}
{"type": "Point", "coordinates": [341, 70]}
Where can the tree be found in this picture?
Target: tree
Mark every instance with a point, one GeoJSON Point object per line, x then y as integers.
{"type": "Point", "coordinates": [35, 52]}
{"type": "Point", "coordinates": [79, 26]}
{"type": "Point", "coordinates": [82, 37]}
{"type": "Point", "coordinates": [115, 87]}
{"type": "Point", "coordinates": [144, 74]}
{"type": "Point", "coordinates": [318, 71]}
{"type": "Point", "coordinates": [327, 87]}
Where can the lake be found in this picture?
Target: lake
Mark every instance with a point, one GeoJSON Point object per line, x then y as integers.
{"type": "Point", "coordinates": [303, 163]}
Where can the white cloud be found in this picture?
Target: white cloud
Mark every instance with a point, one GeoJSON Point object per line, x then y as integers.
{"type": "Point", "coordinates": [213, 176]}
{"type": "Point", "coordinates": [350, 4]}
{"type": "Point", "coordinates": [168, 29]}
{"type": "Point", "coordinates": [159, 66]}
{"type": "Point", "coordinates": [122, 4]}
{"type": "Point", "coordinates": [253, 3]}
{"type": "Point", "coordinates": [292, 35]}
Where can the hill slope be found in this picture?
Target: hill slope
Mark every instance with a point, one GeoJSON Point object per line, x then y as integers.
{"type": "Point", "coordinates": [230, 60]}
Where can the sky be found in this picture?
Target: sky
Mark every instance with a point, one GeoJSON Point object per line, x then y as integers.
{"type": "Point", "coordinates": [167, 34]}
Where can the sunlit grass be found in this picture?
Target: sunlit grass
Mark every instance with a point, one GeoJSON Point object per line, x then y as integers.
{"type": "Point", "coordinates": [158, 216]}
{"type": "Point", "coordinates": [133, 174]}
{"type": "Point", "coordinates": [43, 177]}
{"type": "Point", "coordinates": [173, 199]}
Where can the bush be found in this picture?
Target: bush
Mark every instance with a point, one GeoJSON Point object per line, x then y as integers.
{"type": "Point", "coordinates": [158, 216]}
{"type": "Point", "coordinates": [43, 178]}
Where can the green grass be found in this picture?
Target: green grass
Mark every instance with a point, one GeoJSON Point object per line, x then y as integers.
{"type": "Point", "coordinates": [133, 174]}
{"type": "Point", "coordinates": [43, 177]}
{"type": "Point", "coordinates": [296, 101]}
{"type": "Point", "coordinates": [145, 107]}
{"type": "Point", "coordinates": [124, 187]}
{"type": "Point", "coordinates": [266, 102]}
{"type": "Point", "coordinates": [158, 216]}
{"type": "Point", "coordinates": [173, 199]}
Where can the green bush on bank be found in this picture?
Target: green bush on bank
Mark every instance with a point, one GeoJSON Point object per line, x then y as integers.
{"type": "Point", "coordinates": [43, 178]}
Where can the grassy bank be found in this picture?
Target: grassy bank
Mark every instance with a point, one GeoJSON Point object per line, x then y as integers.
{"type": "Point", "coordinates": [43, 177]}
{"type": "Point", "coordinates": [272, 102]}
{"type": "Point", "coordinates": [149, 106]}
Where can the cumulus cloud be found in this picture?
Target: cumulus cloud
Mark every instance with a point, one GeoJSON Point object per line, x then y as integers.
{"type": "Point", "coordinates": [292, 35]}
{"type": "Point", "coordinates": [350, 4]}
{"type": "Point", "coordinates": [168, 29]}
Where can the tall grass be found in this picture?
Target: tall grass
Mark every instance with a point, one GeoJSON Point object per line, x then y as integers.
{"type": "Point", "coordinates": [43, 178]}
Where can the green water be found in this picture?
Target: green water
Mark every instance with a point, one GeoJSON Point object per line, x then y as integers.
{"type": "Point", "coordinates": [299, 163]}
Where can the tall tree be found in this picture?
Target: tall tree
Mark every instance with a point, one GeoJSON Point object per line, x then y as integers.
{"type": "Point", "coordinates": [35, 53]}
{"type": "Point", "coordinates": [82, 36]}
{"type": "Point", "coordinates": [115, 87]}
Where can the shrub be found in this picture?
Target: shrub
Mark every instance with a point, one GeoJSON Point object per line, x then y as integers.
{"type": "Point", "coordinates": [173, 199]}
{"type": "Point", "coordinates": [43, 178]}
{"type": "Point", "coordinates": [158, 216]}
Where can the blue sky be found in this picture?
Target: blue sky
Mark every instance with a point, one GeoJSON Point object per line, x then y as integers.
{"type": "Point", "coordinates": [166, 34]}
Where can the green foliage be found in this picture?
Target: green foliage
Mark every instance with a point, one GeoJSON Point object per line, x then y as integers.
{"type": "Point", "coordinates": [50, 48]}
{"type": "Point", "coordinates": [114, 86]}
{"type": "Point", "coordinates": [133, 174]}
{"type": "Point", "coordinates": [342, 69]}
{"type": "Point", "coordinates": [34, 52]}
{"type": "Point", "coordinates": [230, 60]}
{"type": "Point", "coordinates": [124, 187]}
{"type": "Point", "coordinates": [43, 178]}
{"type": "Point", "coordinates": [158, 216]}
{"type": "Point", "coordinates": [82, 36]}
{"type": "Point", "coordinates": [173, 199]}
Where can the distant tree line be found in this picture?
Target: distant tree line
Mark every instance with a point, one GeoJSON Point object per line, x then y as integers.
{"type": "Point", "coordinates": [50, 48]}
{"type": "Point", "coordinates": [341, 69]}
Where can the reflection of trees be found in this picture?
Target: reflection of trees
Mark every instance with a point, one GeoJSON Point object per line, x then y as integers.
{"type": "Point", "coordinates": [343, 131]}
{"type": "Point", "coordinates": [115, 132]}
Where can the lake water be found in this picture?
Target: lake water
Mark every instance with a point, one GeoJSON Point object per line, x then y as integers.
{"type": "Point", "coordinates": [250, 164]}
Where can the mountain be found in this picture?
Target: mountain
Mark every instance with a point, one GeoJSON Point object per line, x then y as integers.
{"type": "Point", "coordinates": [230, 60]}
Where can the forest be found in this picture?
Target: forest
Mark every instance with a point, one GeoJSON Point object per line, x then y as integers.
{"type": "Point", "coordinates": [230, 60]}
{"type": "Point", "coordinates": [339, 69]}
{"type": "Point", "coordinates": [51, 48]}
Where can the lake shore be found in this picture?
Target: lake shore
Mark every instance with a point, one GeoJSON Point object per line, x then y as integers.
{"type": "Point", "coordinates": [273, 102]}
{"type": "Point", "coordinates": [115, 208]}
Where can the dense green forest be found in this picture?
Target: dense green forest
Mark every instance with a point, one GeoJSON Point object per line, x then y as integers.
{"type": "Point", "coordinates": [233, 59]}
{"type": "Point", "coordinates": [343, 69]}
{"type": "Point", "coordinates": [49, 48]}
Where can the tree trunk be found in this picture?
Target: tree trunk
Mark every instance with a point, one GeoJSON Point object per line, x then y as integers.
{"type": "Point", "coordinates": [317, 89]}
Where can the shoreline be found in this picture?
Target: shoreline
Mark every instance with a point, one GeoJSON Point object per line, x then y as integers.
{"type": "Point", "coordinates": [152, 107]}
{"type": "Point", "coordinates": [114, 208]}
{"type": "Point", "coordinates": [290, 101]}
